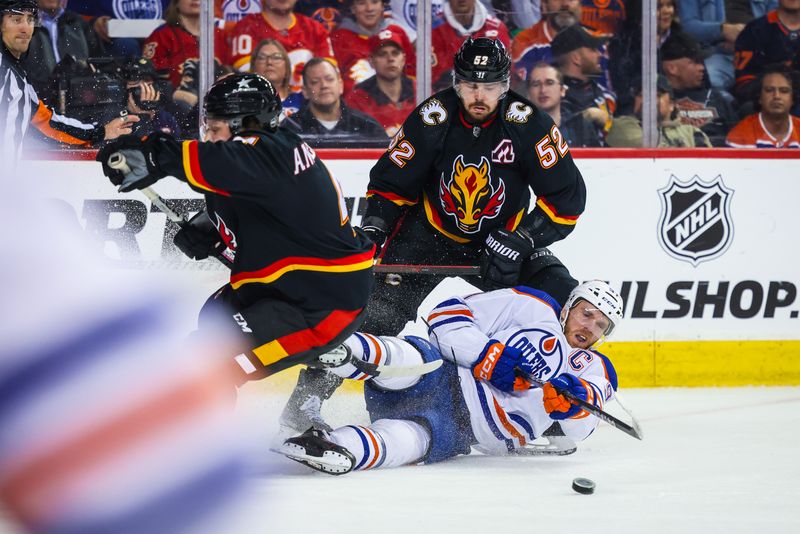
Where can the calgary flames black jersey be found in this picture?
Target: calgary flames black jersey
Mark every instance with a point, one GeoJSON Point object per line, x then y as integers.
{"type": "Point", "coordinates": [275, 203]}
{"type": "Point", "coordinates": [473, 179]}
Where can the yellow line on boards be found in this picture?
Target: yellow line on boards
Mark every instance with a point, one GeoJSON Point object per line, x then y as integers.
{"type": "Point", "coordinates": [656, 364]}
{"type": "Point", "coordinates": [705, 363]}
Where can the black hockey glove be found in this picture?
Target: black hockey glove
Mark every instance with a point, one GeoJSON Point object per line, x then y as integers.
{"type": "Point", "coordinates": [198, 238]}
{"type": "Point", "coordinates": [130, 162]}
{"type": "Point", "coordinates": [501, 261]}
{"type": "Point", "coordinates": [377, 230]}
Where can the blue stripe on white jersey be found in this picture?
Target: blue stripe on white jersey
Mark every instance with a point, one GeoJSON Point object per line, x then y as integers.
{"type": "Point", "coordinates": [450, 311]}
{"type": "Point", "coordinates": [487, 413]}
{"type": "Point", "coordinates": [542, 296]}
{"type": "Point", "coordinates": [523, 423]}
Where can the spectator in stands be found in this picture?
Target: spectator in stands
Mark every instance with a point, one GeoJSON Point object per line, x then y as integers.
{"type": "Point", "coordinates": [145, 99]}
{"type": "Point", "coordinates": [606, 17]}
{"type": "Point", "coordinates": [302, 37]}
{"type": "Point", "coordinates": [176, 41]}
{"type": "Point", "coordinates": [532, 46]}
{"type": "Point", "coordinates": [272, 62]}
{"type": "Point", "coordinates": [404, 14]}
{"type": "Point", "coordinates": [351, 41]}
{"type": "Point", "coordinates": [462, 19]}
{"type": "Point", "coordinates": [183, 101]}
{"type": "Point", "coordinates": [389, 95]}
{"type": "Point", "coordinates": [233, 12]}
{"type": "Point", "coordinates": [627, 130]}
{"type": "Point", "coordinates": [625, 50]}
{"type": "Point", "coordinates": [772, 126]}
{"type": "Point", "coordinates": [771, 39]}
{"type": "Point", "coordinates": [705, 21]}
{"type": "Point", "coordinates": [546, 90]}
{"type": "Point", "coordinates": [326, 12]}
{"type": "Point", "coordinates": [324, 115]}
{"type": "Point", "coordinates": [577, 54]}
{"type": "Point", "coordinates": [60, 33]}
{"type": "Point", "coordinates": [100, 12]}
{"type": "Point", "coordinates": [743, 11]}
{"type": "Point", "coordinates": [695, 102]}
{"type": "Point", "coordinates": [516, 14]}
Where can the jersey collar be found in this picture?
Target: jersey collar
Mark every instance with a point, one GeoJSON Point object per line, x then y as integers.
{"type": "Point", "coordinates": [488, 121]}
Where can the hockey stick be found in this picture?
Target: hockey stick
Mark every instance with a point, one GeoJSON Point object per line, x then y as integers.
{"type": "Point", "coordinates": [117, 161]}
{"type": "Point", "coordinates": [342, 355]}
{"type": "Point", "coordinates": [442, 270]}
{"type": "Point", "coordinates": [634, 421]}
{"type": "Point", "coordinates": [395, 371]}
{"type": "Point", "coordinates": [591, 408]}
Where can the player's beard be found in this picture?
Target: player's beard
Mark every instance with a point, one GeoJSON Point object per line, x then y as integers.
{"type": "Point", "coordinates": [563, 19]}
{"type": "Point", "coordinates": [486, 111]}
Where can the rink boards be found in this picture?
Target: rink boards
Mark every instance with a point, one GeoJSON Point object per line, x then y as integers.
{"type": "Point", "coordinates": [702, 244]}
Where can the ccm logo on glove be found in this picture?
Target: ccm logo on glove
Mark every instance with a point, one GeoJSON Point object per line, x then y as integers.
{"type": "Point", "coordinates": [484, 369]}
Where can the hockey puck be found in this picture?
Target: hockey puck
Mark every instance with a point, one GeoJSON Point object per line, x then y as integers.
{"type": "Point", "coordinates": [583, 485]}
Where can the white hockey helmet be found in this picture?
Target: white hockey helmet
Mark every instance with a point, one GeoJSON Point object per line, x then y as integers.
{"type": "Point", "coordinates": [600, 295]}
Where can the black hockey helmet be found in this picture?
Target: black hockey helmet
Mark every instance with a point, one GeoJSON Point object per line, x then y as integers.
{"type": "Point", "coordinates": [482, 60]}
{"type": "Point", "coordinates": [19, 6]}
{"type": "Point", "coordinates": [238, 96]}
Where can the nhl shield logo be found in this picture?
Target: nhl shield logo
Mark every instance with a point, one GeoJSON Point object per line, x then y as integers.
{"type": "Point", "coordinates": [695, 223]}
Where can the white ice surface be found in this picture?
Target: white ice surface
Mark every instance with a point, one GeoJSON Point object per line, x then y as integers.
{"type": "Point", "coordinates": [712, 460]}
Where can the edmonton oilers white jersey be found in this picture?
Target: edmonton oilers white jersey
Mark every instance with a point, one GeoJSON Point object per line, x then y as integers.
{"type": "Point", "coordinates": [525, 318]}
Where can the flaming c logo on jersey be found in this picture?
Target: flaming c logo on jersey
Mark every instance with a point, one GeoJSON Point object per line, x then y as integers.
{"type": "Point", "coordinates": [227, 235]}
{"type": "Point", "coordinates": [469, 196]}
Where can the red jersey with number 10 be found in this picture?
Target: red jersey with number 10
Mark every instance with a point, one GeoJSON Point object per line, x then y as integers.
{"type": "Point", "coordinates": [304, 39]}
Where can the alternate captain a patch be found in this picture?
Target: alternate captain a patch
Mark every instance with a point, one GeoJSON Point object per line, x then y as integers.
{"type": "Point", "coordinates": [469, 196]}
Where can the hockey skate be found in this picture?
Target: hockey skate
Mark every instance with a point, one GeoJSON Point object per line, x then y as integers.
{"type": "Point", "coordinates": [303, 409]}
{"type": "Point", "coordinates": [315, 450]}
{"type": "Point", "coordinates": [557, 444]}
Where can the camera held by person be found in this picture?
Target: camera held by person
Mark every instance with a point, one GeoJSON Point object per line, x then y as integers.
{"type": "Point", "coordinates": [145, 97]}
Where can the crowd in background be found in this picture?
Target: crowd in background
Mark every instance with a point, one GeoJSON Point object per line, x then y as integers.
{"type": "Point", "coordinates": [345, 68]}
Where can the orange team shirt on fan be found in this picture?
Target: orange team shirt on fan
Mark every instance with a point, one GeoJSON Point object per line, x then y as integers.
{"type": "Point", "coordinates": [445, 42]}
{"type": "Point", "coordinates": [353, 50]}
{"type": "Point", "coordinates": [304, 39]}
{"type": "Point", "coordinates": [751, 133]}
{"type": "Point", "coordinates": [169, 46]}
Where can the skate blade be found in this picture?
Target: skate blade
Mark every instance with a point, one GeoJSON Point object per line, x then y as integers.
{"type": "Point", "coordinates": [332, 462]}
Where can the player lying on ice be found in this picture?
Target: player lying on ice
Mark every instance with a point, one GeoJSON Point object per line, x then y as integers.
{"type": "Point", "coordinates": [478, 397]}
